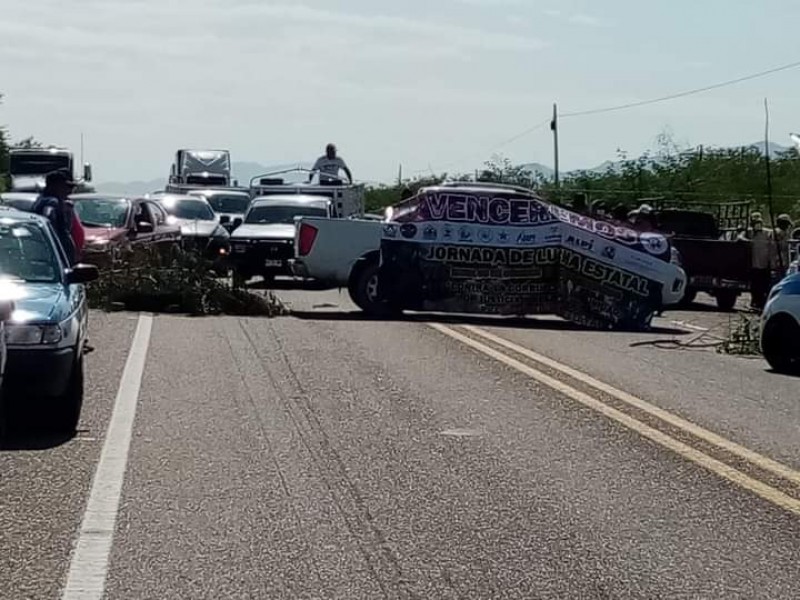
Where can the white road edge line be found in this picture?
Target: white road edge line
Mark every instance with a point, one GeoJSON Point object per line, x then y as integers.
{"type": "Point", "coordinates": [759, 460]}
{"type": "Point", "coordinates": [89, 564]}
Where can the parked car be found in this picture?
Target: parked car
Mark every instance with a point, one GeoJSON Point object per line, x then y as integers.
{"type": "Point", "coordinates": [47, 331]}
{"type": "Point", "coordinates": [201, 230]}
{"type": "Point", "coordinates": [229, 204]}
{"type": "Point", "coordinates": [264, 243]}
{"type": "Point", "coordinates": [113, 223]}
{"type": "Point", "coordinates": [780, 326]}
{"type": "Point", "coordinates": [19, 200]}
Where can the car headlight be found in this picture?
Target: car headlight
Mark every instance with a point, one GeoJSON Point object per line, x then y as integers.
{"type": "Point", "coordinates": [33, 335]}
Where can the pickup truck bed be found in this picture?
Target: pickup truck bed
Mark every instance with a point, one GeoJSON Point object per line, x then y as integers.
{"type": "Point", "coordinates": [334, 247]}
{"type": "Point", "coordinates": [719, 267]}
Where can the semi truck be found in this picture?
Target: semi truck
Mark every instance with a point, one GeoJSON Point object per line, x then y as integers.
{"type": "Point", "coordinates": [198, 169]}
{"type": "Point", "coordinates": [28, 168]}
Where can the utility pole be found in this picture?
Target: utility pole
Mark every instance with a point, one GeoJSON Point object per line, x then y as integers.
{"type": "Point", "coordinates": [554, 128]}
{"type": "Point", "coordinates": [400, 175]}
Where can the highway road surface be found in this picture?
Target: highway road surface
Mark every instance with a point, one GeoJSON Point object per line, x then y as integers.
{"type": "Point", "coordinates": [320, 455]}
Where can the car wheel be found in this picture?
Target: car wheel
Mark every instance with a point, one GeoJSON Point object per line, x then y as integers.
{"type": "Point", "coordinates": [66, 409]}
{"type": "Point", "coordinates": [363, 291]}
{"type": "Point", "coordinates": [726, 300]}
{"type": "Point", "coordinates": [780, 344]}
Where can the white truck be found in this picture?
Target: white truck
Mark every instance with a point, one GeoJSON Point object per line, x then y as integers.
{"type": "Point", "coordinates": [198, 169]}
{"type": "Point", "coordinates": [27, 168]}
{"type": "Point", "coordinates": [341, 253]}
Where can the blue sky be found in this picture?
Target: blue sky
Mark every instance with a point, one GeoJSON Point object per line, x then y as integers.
{"type": "Point", "coordinates": [423, 83]}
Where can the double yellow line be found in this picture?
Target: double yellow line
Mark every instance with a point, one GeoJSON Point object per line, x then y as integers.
{"type": "Point", "coordinates": [692, 442]}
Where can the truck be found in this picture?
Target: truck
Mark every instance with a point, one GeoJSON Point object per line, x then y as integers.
{"type": "Point", "coordinates": [490, 248]}
{"type": "Point", "coordinates": [198, 169]}
{"type": "Point", "coordinates": [706, 236]}
{"type": "Point", "coordinates": [347, 200]}
{"type": "Point", "coordinates": [28, 168]}
{"type": "Point", "coordinates": [262, 242]}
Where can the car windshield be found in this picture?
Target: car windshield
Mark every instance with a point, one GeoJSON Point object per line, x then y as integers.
{"type": "Point", "coordinates": [282, 214]}
{"type": "Point", "coordinates": [189, 209]}
{"type": "Point", "coordinates": [27, 253]}
{"type": "Point", "coordinates": [229, 203]}
{"type": "Point", "coordinates": [102, 212]}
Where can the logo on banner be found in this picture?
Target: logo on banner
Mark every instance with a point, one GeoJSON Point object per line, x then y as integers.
{"type": "Point", "coordinates": [580, 243]}
{"type": "Point", "coordinates": [553, 234]}
{"type": "Point", "coordinates": [430, 233]}
{"type": "Point", "coordinates": [447, 232]}
{"type": "Point", "coordinates": [502, 237]}
{"type": "Point", "coordinates": [653, 243]}
{"type": "Point", "coordinates": [609, 252]}
{"type": "Point", "coordinates": [526, 238]}
{"type": "Point", "coordinates": [485, 235]}
{"type": "Point", "coordinates": [465, 234]}
{"type": "Point", "coordinates": [390, 231]}
{"type": "Point", "coordinates": [408, 230]}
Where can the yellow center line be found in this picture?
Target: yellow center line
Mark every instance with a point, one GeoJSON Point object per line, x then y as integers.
{"type": "Point", "coordinates": [712, 464]}
{"type": "Point", "coordinates": [763, 462]}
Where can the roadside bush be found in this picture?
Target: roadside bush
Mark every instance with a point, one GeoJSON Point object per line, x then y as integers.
{"type": "Point", "coordinates": [175, 281]}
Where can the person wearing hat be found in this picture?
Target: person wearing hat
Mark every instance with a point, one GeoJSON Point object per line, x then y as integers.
{"type": "Point", "coordinates": [642, 219]}
{"type": "Point", "coordinates": [761, 260]}
{"type": "Point", "coordinates": [54, 204]}
{"type": "Point", "coordinates": [780, 249]}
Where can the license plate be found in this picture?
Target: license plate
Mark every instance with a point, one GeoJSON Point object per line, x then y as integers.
{"type": "Point", "coordinates": [273, 263]}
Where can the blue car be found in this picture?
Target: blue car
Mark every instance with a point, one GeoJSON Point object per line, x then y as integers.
{"type": "Point", "coordinates": [780, 326]}
{"type": "Point", "coordinates": [46, 334]}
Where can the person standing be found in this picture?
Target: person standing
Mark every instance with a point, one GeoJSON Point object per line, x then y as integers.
{"type": "Point", "coordinates": [54, 204]}
{"type": "Point", "coordinates": [329, 165]}
{"type": "Point", "coordinates": [780, 249]}
{"type": "Point", "coordinates": [761, 261]}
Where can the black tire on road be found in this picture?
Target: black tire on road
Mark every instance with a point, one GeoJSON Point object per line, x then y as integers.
{"type": "Point", "coordinates": [726, 299]}
{"type": "Point", "coordinates": [363, 289]}
{"type": "Point", "coordinates": [65, 410]}
{"type": "Point", "coordinates": [781, 345]}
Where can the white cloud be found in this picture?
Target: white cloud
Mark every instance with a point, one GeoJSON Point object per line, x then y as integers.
{"type": "Point", "coordinates": [588, 20]}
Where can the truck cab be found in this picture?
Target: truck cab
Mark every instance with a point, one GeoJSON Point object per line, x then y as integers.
{"type": "Point", "coordinates": [29, 166]}
{"type": "Point", "coordinates": [198, 169]}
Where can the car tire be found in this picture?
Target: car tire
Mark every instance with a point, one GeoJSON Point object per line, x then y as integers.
{"type": "Point", "coordinates": [726, 300]}
{"type": "Point", "coordinates": [780, 344]}
{"type": "Point", "coordinates": [66, 409]}
{"type": "Point", "coordinates": [363, 290]}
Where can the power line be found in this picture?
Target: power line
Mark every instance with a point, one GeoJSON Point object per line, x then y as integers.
{"type": "Point", "coordinates": [691, 92]}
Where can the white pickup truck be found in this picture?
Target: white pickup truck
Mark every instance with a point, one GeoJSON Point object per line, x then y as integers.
{"type": "Point", "coordinates": [340, 252]}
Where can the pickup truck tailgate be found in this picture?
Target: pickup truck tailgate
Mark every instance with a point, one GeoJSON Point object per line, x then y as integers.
{"type": "Point", "coordinates": [336, 247]}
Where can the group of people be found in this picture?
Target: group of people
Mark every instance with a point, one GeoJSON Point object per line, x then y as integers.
{"type": "Point", "coordinates": [771, 254]}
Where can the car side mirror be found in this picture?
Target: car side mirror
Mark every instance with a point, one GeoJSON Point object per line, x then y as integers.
{"type": "Point", "coordinates": [224, 219]}
{"type": "Point", "coordinates": [6, 310]}
{"type": "Point", "coordinates": [236, 222]}
{"type": "Point", "coordinates": [144, 227]}
{"type": "Point", "coordinates": [82, 273]}
{"type": "Point", "coordinates": [87, 172]}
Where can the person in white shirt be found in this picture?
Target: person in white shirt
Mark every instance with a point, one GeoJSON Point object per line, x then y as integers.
{"type": "Point", "coordinates": [329, 166]}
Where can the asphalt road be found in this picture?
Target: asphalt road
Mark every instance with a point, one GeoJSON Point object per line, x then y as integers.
{"type": "Point", "coordinates": [323, 456]}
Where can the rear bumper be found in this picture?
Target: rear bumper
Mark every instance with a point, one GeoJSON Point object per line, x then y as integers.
{"type": "Point", "coordinates": [298, 269]}
{"type": "Point", "coordinates": [39, 372]}
{"type": "Point", "coordinates": [705, 282]}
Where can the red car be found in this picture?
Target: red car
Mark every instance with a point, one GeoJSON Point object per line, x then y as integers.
{"type": "Point", "coordinates": [117, 222]}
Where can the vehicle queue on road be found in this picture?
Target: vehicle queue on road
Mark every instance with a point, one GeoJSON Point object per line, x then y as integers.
{"type": "Point", "coordinates": [267, 229]}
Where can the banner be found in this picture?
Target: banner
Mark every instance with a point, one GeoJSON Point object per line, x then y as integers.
{"type": "Point", "coordinates": [477, 250]}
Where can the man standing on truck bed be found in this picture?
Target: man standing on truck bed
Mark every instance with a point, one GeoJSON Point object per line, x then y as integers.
{"type": "Point", "coordinates": [329, 166]}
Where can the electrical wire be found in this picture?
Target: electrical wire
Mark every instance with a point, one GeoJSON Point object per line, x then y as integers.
{"type": "Point", "coordinates": [707, 88]}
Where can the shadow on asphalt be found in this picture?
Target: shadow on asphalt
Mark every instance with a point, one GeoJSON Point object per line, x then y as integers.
{"type": "Point", "coordinates": [507, 322]}
{"type": "Point", "coordinates": [290, 284]}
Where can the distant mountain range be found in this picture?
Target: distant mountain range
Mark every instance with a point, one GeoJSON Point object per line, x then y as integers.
{"type": "Point", "coordinates": [244, 171]}
{"type": "Point", "coordinates": [548, 172]}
